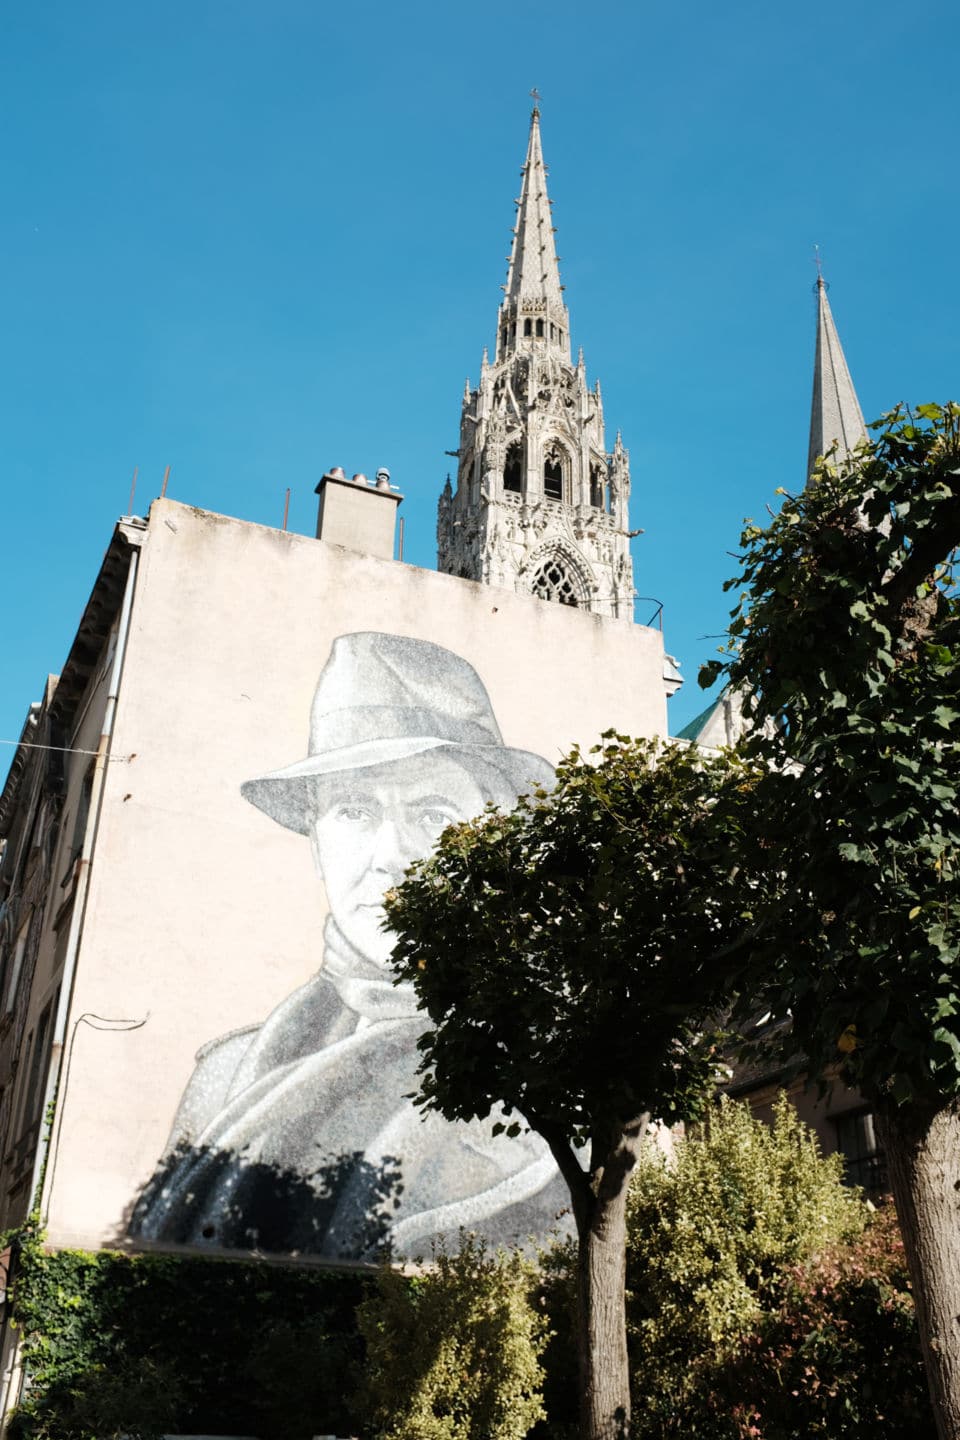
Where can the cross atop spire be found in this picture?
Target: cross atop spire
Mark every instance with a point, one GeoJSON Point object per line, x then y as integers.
{"type": "Point", "coordinates": [533, 307]}
{"type": "Point", "coordinates": [835, 414]}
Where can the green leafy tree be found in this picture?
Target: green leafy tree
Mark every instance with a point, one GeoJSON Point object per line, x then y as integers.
{"type": "Point", "coordinates": [846, 641]}
{"type": "Point", "coordinates": [570, 957]}
{"type": "Point", "coordinates": [454, 1353]}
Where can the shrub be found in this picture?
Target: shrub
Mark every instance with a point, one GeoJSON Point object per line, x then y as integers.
{"type": "Point", "coordinates": [838, 1357]}
{"type": "Point", "coordinates": [146, 1345]}
{"type": "Point", "coordinates": [764, 1302]}
{"type": "Point", "coordinates": [454, 1353]}
{"type": "Point", "coordinates": [711, 1232]}
{"type": "Point", "coordinates": [140, 1401]}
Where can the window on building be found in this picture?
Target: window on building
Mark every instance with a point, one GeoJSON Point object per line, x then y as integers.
{"type": "Point", "coordinates": [38, 1069]}
{"type": "Point", "coordinates": [596, 487]}
{"type": "Point", "coordinates": [554, 582]}
{"type": "Point", "coordinates": [39, 826]}
{"type": "Point", "coordinates": [539, 329]}
{"type": "Point", "coordinates": [863, 1161]}
{"type": "Point", "coordinates": [83, 812]}
{"type": "Point", "coordinates": [553, 331]}
{"type": "Point", "coordinates": [528, 327]}
{"type": "Point", "coordinates": [513, 468]}
{"type": "Point", "coordinates": [110, 649]}
{"type": "Point", "coordinates": [27, 1061]}
{"type": "Point", "coordinates": [553, 472]}
{"type": "Point", "coordinates": [11, 978]}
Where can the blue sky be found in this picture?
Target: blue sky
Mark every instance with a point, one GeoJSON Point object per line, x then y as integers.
{"type": "Point", "coordinates": [251, 240]}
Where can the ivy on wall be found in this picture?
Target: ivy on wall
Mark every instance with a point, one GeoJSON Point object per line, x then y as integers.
{"type": "Point", "coordinates": [141, 1346]}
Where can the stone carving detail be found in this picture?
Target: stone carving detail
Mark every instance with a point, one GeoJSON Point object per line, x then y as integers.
{"type": "Point", "coordinates": [572, 489]}
{"type": "Point", "coordinates": [553, 582]}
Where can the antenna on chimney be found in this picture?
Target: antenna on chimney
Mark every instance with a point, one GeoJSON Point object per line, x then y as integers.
{"type": "Point", "coordinates": [286, 508]}
{"type": "Point", "coordinates": [166, 477]}
{"type": "Point", "coordinates": [133, 489]}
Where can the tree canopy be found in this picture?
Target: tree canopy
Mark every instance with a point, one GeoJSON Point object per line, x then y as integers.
{"type": "Point", "coordinates": [570, 954]}
{"type": "Point", "coordinates": [845, 643]}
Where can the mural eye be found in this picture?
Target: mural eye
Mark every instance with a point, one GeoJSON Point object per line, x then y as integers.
{"type": "Point", "coordinates": [437, 819]}
{"type": "Point", "coordinates": [352, 814]}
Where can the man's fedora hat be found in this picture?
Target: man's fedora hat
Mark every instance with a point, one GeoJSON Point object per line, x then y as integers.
{"type": "Point", "coordinates": [383, 698]}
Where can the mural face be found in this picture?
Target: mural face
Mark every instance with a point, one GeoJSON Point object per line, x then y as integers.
{"type": "Point", "coordinates": [295, 1135]}
{"type": "Point", "coordinates": [371, 824]}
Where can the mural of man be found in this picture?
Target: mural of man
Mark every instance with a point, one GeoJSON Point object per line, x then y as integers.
{"type": "Point", "coordinates": [299, 1135]}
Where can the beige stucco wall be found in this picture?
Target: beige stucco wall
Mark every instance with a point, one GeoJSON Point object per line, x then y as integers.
{"type": "Point", "coordinates": [203, 913]}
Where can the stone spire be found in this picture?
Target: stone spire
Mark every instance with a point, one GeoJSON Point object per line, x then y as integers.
{"type": "Point", "coordinates": [836, 414]}
{"type": "Point", "coordinates": [540, 505]}
{"type": "Point", "coordinates": [533, 280]}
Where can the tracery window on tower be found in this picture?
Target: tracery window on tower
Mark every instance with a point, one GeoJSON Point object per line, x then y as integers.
{"type": "Point", "coordinates": [528, 327]}
{"type": "Point", "coordinates": [596, 487]}
{"type": "Point", "coordinates": [539, 329]}
{"type": "Point", "coordinates": [513, 468]}
{"type": "Point", "coordinates": [553, 581]}
{"type": "Point", "coordinates": [555, 463]}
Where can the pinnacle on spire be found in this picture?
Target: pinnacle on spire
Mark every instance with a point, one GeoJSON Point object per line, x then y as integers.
{"type": "Point", "coordinates": [534, 272]}
{"type": "Point", "coordinates": [836, 414]}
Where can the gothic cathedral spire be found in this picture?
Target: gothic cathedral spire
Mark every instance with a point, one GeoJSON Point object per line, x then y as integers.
{"type": "Point", "coordinates": [540, 505]}
{"type": "Point", "coordinates": [835, 416]}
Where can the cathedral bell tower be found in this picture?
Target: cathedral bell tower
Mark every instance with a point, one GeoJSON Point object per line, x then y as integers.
{"type": "Point", "coordinates": [540, 504]}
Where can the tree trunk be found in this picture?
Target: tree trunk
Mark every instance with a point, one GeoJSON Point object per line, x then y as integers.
{"type": "Point", "coordinates": [600, 1210]}
{"type": "Point", "coordinates": [602, 1321]}
{"type": "Point", "coordinates": [922, 1147]}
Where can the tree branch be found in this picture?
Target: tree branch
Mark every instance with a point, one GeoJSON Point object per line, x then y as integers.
{"type": "Point", "coordinates": [581, 1196]}
{"type": "Point", "coordinates": [923, 558]}
{"type": "Point", "coordinates": [622, 1157]}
